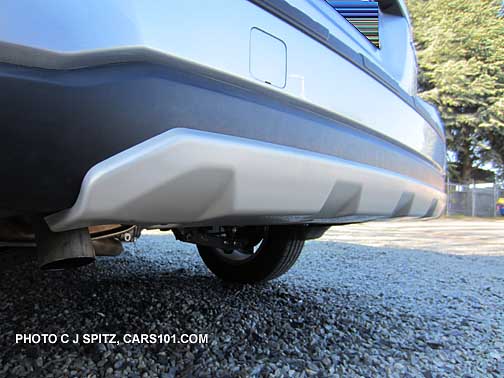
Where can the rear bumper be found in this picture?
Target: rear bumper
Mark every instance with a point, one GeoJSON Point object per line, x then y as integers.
{"type": "Point", "coordinates": [326, 71]}
{"type": "Point", "coordinates": [186, 177]}
{"type": "Point", "coordinates": [58, 124]}
{"type": "Point", "coordinates": [75, 95]}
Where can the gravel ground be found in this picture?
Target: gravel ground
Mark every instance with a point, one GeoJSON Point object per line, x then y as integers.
{"type": "Point", "coordinates": [344, 310]}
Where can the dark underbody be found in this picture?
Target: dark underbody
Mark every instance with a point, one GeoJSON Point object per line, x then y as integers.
{"type": "Point", "coordinates": [57, 124]}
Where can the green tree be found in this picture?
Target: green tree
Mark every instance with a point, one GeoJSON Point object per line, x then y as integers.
{"type": "Point", "coordinates": [460, 47]}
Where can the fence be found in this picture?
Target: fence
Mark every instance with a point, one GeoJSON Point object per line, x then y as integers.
{"type": "Point", "coordinates": [473, 200]}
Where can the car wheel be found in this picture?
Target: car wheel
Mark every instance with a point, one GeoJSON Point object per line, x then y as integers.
{"type": "Point", "coordinates": [272, 254]}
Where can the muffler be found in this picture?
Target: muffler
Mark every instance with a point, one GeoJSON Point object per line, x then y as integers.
{"type": "Point", "coordinates": [62, 250]}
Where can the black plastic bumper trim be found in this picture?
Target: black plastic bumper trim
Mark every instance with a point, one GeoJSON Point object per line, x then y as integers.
{"type": "Point", "coordinates": [57, 124]}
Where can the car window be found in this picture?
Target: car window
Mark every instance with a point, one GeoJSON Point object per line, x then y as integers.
{"type": "Point", "coordinates": [362, 14]}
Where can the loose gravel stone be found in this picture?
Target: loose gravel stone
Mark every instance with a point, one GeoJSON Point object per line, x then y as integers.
{"type": "Point", "coordinates": [344, 310]}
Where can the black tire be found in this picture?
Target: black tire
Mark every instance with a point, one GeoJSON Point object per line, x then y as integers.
{"type": "Point", "coordinates": [277, 253]}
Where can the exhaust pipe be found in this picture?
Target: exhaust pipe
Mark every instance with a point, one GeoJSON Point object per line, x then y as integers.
{"type": "Point", "coordinates": [62, 250]}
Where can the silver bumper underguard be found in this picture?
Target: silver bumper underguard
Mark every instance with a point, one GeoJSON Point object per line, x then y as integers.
{"type": "Point", "coordinates": [186, 177]}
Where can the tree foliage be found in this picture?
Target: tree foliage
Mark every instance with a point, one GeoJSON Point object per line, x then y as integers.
{"type": "Point", "coordinates": [460, 47]}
